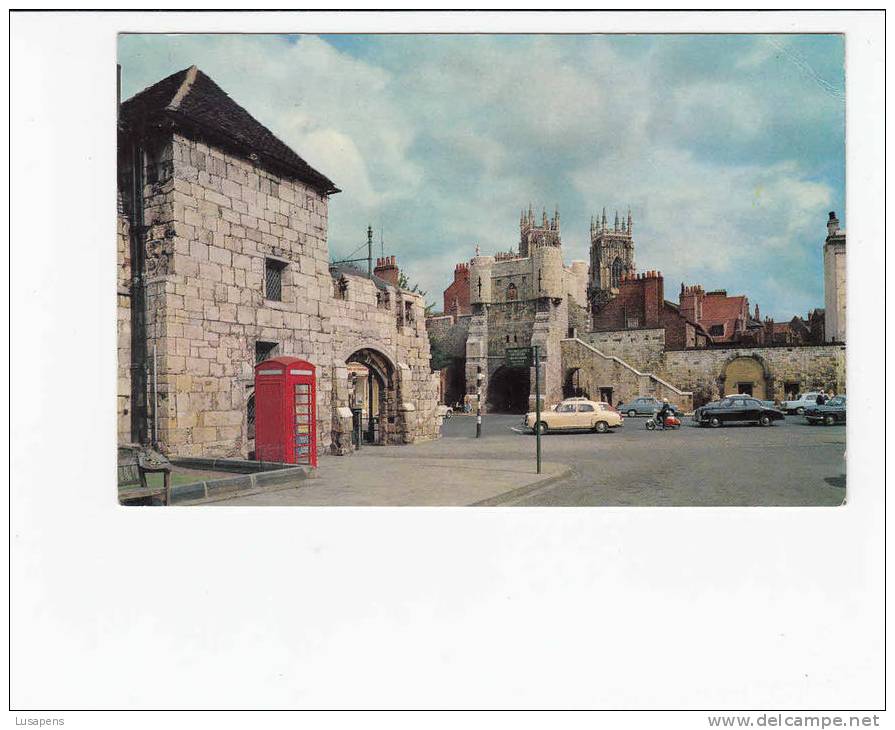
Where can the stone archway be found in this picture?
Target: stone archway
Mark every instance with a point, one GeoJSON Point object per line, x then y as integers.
{"type": "Point", "coordinates": [746, 374]}
{"type": "Point", "coordinates": [376, 395]}
{"type": "Point", "coordinates": [508, 390]}
{"type": "Point", "coordinates": [575, 384]}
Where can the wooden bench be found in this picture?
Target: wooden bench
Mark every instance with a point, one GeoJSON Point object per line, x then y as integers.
{"type": "Point", "coordinates": [134, 463]}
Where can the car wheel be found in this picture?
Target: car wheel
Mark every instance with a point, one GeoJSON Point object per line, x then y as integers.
{"type": "Point", "coordinates": [651, 425]}
{"type": "Point", "coordinates": [715, 422]}
{"type": "Point", "coordinates": [601, 427]}
{"type": "Point", "coordinates": [541, 428]}
{"type": "Point", "coordinates": [800, 411]}
{"type": "Point", "coordinates": [764, 421]}
{"type": "Point", "coordinates": [829, 420]}
{"type": "Point", "coordinates": [632, 413]}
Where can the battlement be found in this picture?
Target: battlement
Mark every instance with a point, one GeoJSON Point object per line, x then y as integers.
{"type": "Point", "coordinates": [506, 256]}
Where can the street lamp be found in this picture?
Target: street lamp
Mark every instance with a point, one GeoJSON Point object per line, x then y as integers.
{"type": "Point", "coordinates": [479, 378]}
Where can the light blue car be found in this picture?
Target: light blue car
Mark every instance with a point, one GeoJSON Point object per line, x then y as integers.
{"type": "Point", "coordinates": [645, 405]}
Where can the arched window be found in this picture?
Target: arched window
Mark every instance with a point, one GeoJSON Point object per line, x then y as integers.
{"type": "Point", "coordinates": [617, 270]}
{"type": "Point", "coordinates": [511, 292]}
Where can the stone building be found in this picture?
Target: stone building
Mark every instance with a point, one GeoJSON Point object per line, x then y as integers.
{"type": "Point", "coordinates": [834, 281]}
{"type": "Point", "coordinates": [517, 298]}
{"type": "Point", "coordinates": [223, 262]}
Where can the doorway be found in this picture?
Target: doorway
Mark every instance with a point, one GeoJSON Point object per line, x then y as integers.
{"type": "Point", "coordinates": [606, 395]}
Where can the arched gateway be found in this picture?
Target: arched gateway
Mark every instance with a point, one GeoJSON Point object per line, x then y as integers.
{"type": "Point", "coordinates": [746, 374]}
{"type": "Point", "coordinates": [372, 388]}
{"type": "Point", "coordinates": [508, 390]}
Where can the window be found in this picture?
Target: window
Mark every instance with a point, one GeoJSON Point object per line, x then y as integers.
{"type": "Point", "coordinates": [273, 279]}
{"type": "Point", "coordinates": [716, 330]}
{"type": "Point", "coordinates": [565, 408]}
{"type": "Point", "coordinates": [250, 416]}
{"type": "Point", "coordinates": [632, 323]}
{"type": "Point", "coordinates": [508, 338]}
{"type": "Point", "coordinates": [512, 294]}
{"type": "Point", "coordinates": [265, 351]}
{"type": "Point", "coordinates": [616, 274]}
{"type": "Point", "coordinates": [585, 408]}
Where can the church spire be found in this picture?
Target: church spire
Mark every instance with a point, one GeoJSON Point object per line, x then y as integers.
{"type": "Point", "coordinates": [630, 223]}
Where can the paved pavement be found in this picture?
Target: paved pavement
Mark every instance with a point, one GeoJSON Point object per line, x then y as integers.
{"type": "Point", "coordinates": [401, 476]}
{"type": "Point", "coordinates": [790, 463]}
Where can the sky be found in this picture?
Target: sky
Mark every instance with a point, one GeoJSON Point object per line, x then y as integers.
{"type": "Point", "coordinates": [729, 149]}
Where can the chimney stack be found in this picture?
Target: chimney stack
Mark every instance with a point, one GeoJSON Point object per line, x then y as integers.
{"type": "Point", "coordinates": [387, 270]}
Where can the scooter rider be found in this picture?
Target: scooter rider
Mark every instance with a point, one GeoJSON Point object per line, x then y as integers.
{"type": "Point", "coordinates": [663, 412]}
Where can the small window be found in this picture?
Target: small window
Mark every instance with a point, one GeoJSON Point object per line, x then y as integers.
{"type": "Point", "coordinates": [250, 416]}
{"type": "Point", "coordinates": [716, 330]}
{"type": "Point", "coordinates": [508, 338]}
{"type": "Point", "coordinates": [512, 294]}
{"type": "Point", "coordinates": [566, 408]}
{"type": "Point", "coordinates": [265, 351]}
{"type": "Point", "coordinates": [273, 279]}
{"type": "Point", "coordinates": [585, 408]}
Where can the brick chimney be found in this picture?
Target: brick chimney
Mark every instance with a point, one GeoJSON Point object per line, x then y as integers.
{"type": "Point", "coordinates": [387, 270]}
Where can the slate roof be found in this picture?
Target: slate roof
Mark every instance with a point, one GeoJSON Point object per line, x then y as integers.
{"type": "Point", "coordinates": [336, 271]}
{"type": "Point", "coordinates": [194, 104]}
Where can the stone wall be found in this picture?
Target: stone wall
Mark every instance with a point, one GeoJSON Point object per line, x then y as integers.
{"type": "Point", "coordinates": [449, 333]}
{"type": "Point", "coordinates": [124, 327]}
{"type": "Point", "coordinates": [211, 225]}
{"type": "Point", "coordinates": [703, 371]}
{"type": "Point", "coordinates": [598, 369]}
{"type": "Point", "coordinates": [642, 349]}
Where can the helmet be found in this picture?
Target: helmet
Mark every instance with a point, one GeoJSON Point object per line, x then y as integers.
{"type": "Point", "coordinates": [665, 400]}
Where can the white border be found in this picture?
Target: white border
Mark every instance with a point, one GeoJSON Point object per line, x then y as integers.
{"type": "Point", "coordinates": [400, 608]}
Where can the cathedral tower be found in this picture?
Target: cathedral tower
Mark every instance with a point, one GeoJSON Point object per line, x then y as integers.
{"type": "Point", "coordinates": [532, 235]}
{"type": "Point", "coordinates": [611, 257]}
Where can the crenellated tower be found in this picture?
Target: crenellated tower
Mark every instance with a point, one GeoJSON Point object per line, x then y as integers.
{"type": "Point", "coordinates": [532, 235]}
{"type": "Point", "coordinates": [611, 257]}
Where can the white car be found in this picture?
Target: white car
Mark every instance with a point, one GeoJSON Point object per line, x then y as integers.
{"type": "Point", "coordinates": [801, 402]}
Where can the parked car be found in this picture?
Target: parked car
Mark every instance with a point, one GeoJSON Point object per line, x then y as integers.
{"type": "Point", "coordinates": [444, 411]}
{"type": "Point", "coordinates": [800, 403]}
{"type": "Point", "coordinates": [736, 409]}
{"type": "Point", "coordinates": [645, 406]}
{"type": "Point", "coordinates": [574, 414]}
{"type": "Point", "coordinates": [575, 399]}
{"type": "Point", "coordinates": [833, 411]}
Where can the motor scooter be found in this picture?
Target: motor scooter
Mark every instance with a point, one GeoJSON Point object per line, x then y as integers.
{"type": "Point", "coordinates": [671, 421]}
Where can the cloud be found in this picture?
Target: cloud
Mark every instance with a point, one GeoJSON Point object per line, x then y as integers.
{"type": "Point", "coordinates": [729, 149]}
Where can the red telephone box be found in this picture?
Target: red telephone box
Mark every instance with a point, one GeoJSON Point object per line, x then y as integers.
{"type": "Point", "coordinates": [286, 411]}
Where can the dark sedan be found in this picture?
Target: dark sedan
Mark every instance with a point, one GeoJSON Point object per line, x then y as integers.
{"type": "Point", "coordinates": [736, 410]}
{"type": "Point", "coordinates": [833, 411]}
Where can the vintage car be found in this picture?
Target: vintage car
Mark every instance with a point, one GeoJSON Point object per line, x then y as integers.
{"type": "Point", "coordinates": [645, 405]}
{"type": "Point", "coordinates": [572, 415]}
{"type": "Point", "coordinates": [800, 403]}
{"type": "Point", "coordinates": [831, 412]}
{"type": "Point", "coordinates": [736, 409]}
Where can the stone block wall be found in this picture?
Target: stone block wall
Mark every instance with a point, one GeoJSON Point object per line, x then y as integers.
{"type": "Point", "coordinates": [642, 349]}
{"type": "Point", "coordinates": [597, 369]}
{"type": "Point", "coordinates": [124, 326]}
{"type": "Point", "coordinates": [809, 366]}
